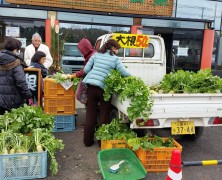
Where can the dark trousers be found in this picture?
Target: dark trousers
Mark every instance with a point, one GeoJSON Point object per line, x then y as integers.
{"type": "Point", "coordinates": [95, 102]}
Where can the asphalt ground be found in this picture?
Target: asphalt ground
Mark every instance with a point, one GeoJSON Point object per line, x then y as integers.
{"type": "Point", "coordinates": [77, 162]}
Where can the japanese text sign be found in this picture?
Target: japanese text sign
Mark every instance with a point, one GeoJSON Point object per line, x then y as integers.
{"type": "Point", "coordinates": [132, 40]}
{"type": "Point", "coordinates": [34, 81]}
{"type": "Point", "coordinates": [12, 31]}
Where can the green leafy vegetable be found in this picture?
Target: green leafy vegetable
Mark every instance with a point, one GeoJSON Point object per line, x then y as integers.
{"type": "Point", "coordinates": [48, 141]}
{"type": "Point", "coordinates": [61, 78]}
{"type": "Point", "coordinates": [25, 119]}
{"type": "Point", "coordinates": [147, 143]}
{"type": "Point", "coordinates": [189, 82]}
{"type": "Point", "coordinates": [132, 88]}
{"type": "Point", "coordinates": [20, 143]}
{"type": "Point", "coordinates": [114, 131]}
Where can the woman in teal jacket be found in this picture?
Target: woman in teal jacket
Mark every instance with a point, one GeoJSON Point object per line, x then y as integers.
{"type": "Point", "coordinates": [97, 69]}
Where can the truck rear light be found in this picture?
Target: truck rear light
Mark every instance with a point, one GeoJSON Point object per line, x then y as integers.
{"type": "Point", "coordinates": [149, 122]}
{"type": "Point", "coordinates": [217, 120]}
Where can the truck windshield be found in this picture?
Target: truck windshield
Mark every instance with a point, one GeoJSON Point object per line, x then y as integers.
{"type": "Point", "coordinates": [71, 50]}
{"type": "Point", "coordinates": [137, 52]}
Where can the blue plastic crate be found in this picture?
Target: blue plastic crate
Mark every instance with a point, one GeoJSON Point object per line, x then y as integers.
{"type": "Point", "coordinates": [23, 166]}
{"type": "Point", "coordinates": [64, 123]}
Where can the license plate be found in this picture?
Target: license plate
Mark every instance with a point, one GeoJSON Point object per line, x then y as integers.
{"type": "Point", "coordinates": [182, 127]}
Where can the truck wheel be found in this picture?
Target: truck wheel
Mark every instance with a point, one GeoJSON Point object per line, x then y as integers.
{"type": "Point", "coordinates": [140, 132]}
{"type": "Point", "coordinates": [197, 135]}
{"type": "Point", "coordinates": [113, 114]}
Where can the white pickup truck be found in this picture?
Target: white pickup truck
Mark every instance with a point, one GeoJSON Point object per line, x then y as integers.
{"type": "Point", "coordinates": [180, 114]}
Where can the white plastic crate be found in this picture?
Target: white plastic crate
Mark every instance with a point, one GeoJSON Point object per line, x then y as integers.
{"type": "Point", "coordinates": [23, 166]}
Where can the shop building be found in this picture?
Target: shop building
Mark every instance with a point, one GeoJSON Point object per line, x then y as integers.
{"type": "Point", "coordinates": [191, 30]}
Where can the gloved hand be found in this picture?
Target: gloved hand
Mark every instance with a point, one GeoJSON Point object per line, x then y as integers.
{"type": "Point", "coordinates": [30, 101]}
{"type": "Point", "coordinates": [72, 76]}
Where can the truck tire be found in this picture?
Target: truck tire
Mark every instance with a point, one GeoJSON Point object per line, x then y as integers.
{"type": "Point", "coordinates": [197, 135]}
{"type": "Point", "coordinates": [113, 114]}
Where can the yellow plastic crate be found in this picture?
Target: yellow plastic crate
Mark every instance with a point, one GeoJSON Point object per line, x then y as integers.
{"type": "Point", "coordinates": [53, 89]}
{"type": "Point", "coordinates": [109, 144]}
{"type": "Point", "coordinates": [157, 160]}
{"type": "Point", "coordinates": [59, 106]}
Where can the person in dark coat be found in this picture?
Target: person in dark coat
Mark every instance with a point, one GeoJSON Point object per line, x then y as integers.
{"type": "Point", "coordinates": [13, 87]}
{"type": "Point", "coordinates": [87, 50]}
{"type": "Point", "coordinates": [97, 70]}
{"type": "Point", "coordinates": [37, 61]}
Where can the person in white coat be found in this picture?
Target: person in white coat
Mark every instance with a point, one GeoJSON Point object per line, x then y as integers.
{"type": "Point", "coordinates": [37, 46]}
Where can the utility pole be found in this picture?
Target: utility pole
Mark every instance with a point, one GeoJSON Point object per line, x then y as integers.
{"type": "Point", "coordinates": [176, 9]}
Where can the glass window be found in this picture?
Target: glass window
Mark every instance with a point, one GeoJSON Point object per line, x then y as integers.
{"type": "Point", "coordinates": [26, 28]}
{"type": "Point", "coordinates": [133, 52]}
{"type": "Point", "coordinates": [138, 52]}
{"type": "Point", "coordinates": [201, 9]}
{"type": "Point", "coordinates": [214, 63]}
{"type": "Point", "coordinates": [73, 33]}
{"type": "Point", "coordinates": [121, 52]}
{"type": "Point", "coordinates": [149, 52]}
{"type": "Point", "coordinates": [186, 50]}
{"type": "Point", "coordinates": [72, 50]}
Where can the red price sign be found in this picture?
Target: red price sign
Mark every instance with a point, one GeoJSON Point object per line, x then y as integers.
{"type": "Point", "coordinates": [132, 40]}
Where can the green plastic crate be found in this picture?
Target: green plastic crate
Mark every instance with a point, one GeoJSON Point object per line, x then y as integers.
{"type": "Point", "coordinates": [131, 169]}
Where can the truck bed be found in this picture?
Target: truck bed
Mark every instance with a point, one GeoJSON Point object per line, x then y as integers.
{"type": "Point", "coordinates": [176, 106]}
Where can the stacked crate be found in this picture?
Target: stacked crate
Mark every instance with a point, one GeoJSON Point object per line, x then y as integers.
{"type": "Point", "coordinates": [157, 159]}
{"type": "Point", "coordinates": [60, 102]}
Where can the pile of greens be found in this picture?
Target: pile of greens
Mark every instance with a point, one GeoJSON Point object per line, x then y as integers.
{"type": "Point", "coordinates": [26, 118]}
{"type": "Point", "coordinates": [39, 140]}
{"type": "Point", "coordinates": [29, 129]}
{"type": "Point", "coordinates": [60, 77]}
{"type": "Point", "coordinates": [64, 78]}
{"type": "Point", "coordinates": [189, 82]}
{"type": "Point", "coordinates": [147, 143]}
{"type": "Point", "coordinates": [132, 88]}
{"type": "Point", "coordinates": [114, 131]}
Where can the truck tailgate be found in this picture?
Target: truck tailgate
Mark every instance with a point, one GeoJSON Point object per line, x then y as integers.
{"type": "Point", "coordinates": [180, 105]}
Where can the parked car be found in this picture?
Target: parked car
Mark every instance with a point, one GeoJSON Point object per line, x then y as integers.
{"type": "Point", "coordinates": [72, 60]}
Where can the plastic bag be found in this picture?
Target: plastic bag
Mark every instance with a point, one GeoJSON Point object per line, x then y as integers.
{"type": "Point", "coordinates": [81, 92]}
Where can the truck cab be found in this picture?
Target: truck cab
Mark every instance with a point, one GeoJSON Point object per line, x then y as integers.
{"type": "Point", "coordinates": [147, 63]}
{"type": "Point", "coordinates": [72, 60]}
{"type": "Point", "coordinates": [170, 112]}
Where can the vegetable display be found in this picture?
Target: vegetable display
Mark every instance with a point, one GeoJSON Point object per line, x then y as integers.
{"type": "Point", "coordinates": [114, 131]}
{"type": "Point", "coordinates": [26, 118]}
{"type": "Point", "coordinates": [119, 131]}
{"type": "Point", "coordinates": [60, 78]}
{"type": "Point", "coordinates": [45, 140]}
{"type": "Point", "coordinates": [64, 78]}
{"type": "Point", "coordinates": [147, 143]}
{"type": "Point", "coordinates": [40, 140]}
{"type": "Point", "coordinates": [189, 82]}
{"type": "Point", "coordinates": [29, 129]}
{"type": "Point", "coordinates": [132, 88]}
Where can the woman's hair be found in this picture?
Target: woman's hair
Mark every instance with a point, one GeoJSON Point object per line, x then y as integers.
{"type": "Point", "coordinates": [11, 44]}
{"type": "Point", "coordinates": [37, 56]}
{"type": "Point", "coordinates": [108, 46]}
